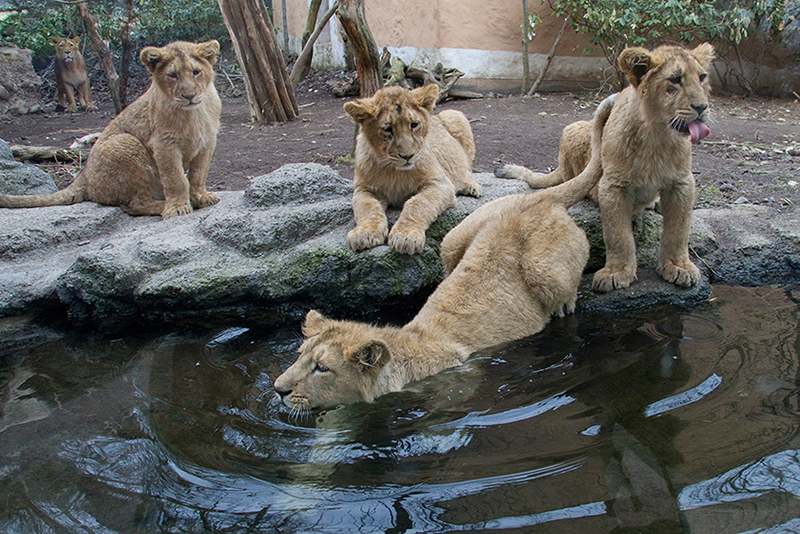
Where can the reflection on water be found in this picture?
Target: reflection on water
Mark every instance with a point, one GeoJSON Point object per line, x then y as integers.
{"type": "Point", "coordinates": [663, 421]}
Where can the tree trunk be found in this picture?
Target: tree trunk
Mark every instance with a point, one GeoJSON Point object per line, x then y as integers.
{"type": "Point", "coordinates": [525, 60]}
{"type": "Point", "coordinates": [266, 78]}
{"type": "Point", "coordinates": [102, 50]}
{"type": "Point", "coordinates": [127, 49]}
{"type": "Point", "coordinates": [549, 60]}
{"type": "Point", "coordinates": [353, 20]}
{"type": "Point", "coordinates": [303, 63]}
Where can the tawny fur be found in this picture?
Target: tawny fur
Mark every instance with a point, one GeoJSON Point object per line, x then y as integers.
{"type": "Point", "coordinates": [406, 157]}
{"type": "Point", "coordinates": [153, 158]}
{"type": "Point", "coordinates": [71, 77]}
{"type": "Point", "coordinates": [509, 267]}
{"type": "Point", "coordinates": [643, 156]}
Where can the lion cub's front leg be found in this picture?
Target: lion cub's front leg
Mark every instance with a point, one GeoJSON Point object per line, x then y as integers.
{"type": "Point", "coordinates": [198, 174]}
{"type": "Point", "coordinates": [371, 225]}
{"type": "Point", "coordinates": [408, 233]}
{"type": "Point", "coordinates": [674, 264]}
{"type": "Point", "coordinates": [169, 163]}
{"type": "Point", "coordinates": [616, 211]}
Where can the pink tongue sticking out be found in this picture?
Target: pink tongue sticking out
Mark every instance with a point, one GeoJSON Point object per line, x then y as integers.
{"type": "Point", "coordinates": [698, 130]}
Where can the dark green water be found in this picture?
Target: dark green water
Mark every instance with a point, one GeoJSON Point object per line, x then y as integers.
{"type": "Point", "coordinates": [663, 421]}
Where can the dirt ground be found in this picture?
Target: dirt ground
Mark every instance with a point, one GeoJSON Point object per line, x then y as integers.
{"type": "Point", "coordinates": [745, 158]}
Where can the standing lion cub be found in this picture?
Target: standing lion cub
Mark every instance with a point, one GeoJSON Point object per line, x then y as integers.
{"type": "Point", "coordinates": [509, 266]}
{"type": "Point", "coordinates": [153, 158]}
{"type": "Point", "coordinates": [646, 153]}
{"type": "Point", "coordinates": [71, 77]}
{"type": "Point", "coordinates": [406, 157]}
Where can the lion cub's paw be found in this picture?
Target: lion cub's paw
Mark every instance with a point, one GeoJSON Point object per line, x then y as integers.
{"type": "Point", "coordinates": [360, 238]}
{"type": "Point", "coordinates": [409, 242]}
{"type": "Point", "coordinates": [683, 275]}
{"type": "Point", "coordinates": [471, 188]}
{"type": "Point", "coordinates": [171, 211]}
{"type": "Point", "coordinates": [605, 280]}
{"type": "Point", "coordinates": [205, 199]}
{"type": "Point", "coordinates": [91, 107]}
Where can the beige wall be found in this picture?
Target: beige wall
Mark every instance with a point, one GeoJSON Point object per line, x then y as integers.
{"type": "Point", "coordinates": [481, 38]}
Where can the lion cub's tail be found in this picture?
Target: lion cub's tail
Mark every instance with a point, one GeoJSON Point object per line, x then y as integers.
{"type": "Point", "coordinates": [572, 191]}
{"type": "Point", "coordinates": [76, 192]}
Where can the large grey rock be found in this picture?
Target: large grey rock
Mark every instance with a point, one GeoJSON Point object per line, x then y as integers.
{"type": "Point", "coordinates": [19, 83]}
{"type": "Point", "coordinates": [20, 179]}
{"type": "Point", "coordinates": [268, 254]}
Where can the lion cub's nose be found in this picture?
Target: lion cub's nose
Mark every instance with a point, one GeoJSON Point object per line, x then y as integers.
{"type": "Point", "coordinates": [699, 108]}
{"type": "Point", "coordinates": [407, 157]}
{"type": "Point", "coordinates": [190, 97]}
{"type": "Point", "coordinates": [282, 392]}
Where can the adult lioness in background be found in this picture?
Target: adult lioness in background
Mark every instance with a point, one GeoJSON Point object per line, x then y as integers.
{"type": "Point", "coordinates": [153, 158]}
{"type": "Point", "coordinates": [509, 267]}
{"type": "Point", "coordinates": [646, 152]}
{"type": "Point", "coordinates": [71, 77]}
{"type": "Point", "coordinates": [406, 157]}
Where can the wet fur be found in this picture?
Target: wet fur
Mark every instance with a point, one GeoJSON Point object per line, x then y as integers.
{"type": "Point", "coordinates": [153, 158]}
{"type": "Point", "coordinates": [509, 267]}
{"type": "Point", "coordinates": [644, 155]}
{"type": "Point", "coordinates": [407, 157]}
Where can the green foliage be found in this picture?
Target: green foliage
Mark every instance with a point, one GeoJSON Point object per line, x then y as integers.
{"type": "Point", "coordinates": [155, 22]}
{"type": "Point", "coordinates": [616, 24]}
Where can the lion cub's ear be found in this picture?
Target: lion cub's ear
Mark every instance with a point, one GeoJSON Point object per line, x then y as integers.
{"type": "Point", "coordinates": [76, 40]}
{"type": "Point", "coordinates": [635, 62]}
{"type": "Point", "coordinates": [208, 50]}
{"type": "Point", "coordinates": [54, 40]}
{"type": "Point", "coordinates": [362, 109]}
{"type": "Point", "coordinates": [151, 57]}
{"type": "Point", "coordinates": [314, 323]}
{"type": "Point", "coordinates": [371, 356]}
{"type": "Point", "coordinates": [704, 54]}
{"type": "Point", "coordinates": [425, 96]}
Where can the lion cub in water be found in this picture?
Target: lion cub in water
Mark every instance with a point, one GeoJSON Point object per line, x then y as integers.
{"type": "Point", "coordinates": [407, 157]}
{"type": "Point", "coordinates": [153, 158]}
{"type": "Point", "coordinates": [509, 267]}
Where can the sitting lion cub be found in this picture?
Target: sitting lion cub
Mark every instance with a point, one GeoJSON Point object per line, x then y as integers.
{"type": "Point", "coordinates": [71, 77]}
{"type": "Point", "coordinates": [646, 153]}
{"type": "Point", "coordinates": [509, 267]}
{"type": "Point", "coordinates": [153, 158]}
{"type": "Point", "coordinates": [406, 157]}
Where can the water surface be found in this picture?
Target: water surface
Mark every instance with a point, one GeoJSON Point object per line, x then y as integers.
{"type": "Point", "coordinates": [665, 420]}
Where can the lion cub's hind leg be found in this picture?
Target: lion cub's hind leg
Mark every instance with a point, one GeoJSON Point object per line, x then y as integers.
{"type": "Point", "coordinates": [553, 258]}
{"type": "Point", "coordinates": [122, 173]}
{"type": "Point", "coordinates": [460, 172]}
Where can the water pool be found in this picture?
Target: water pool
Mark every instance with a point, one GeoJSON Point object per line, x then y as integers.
{"type": "Point", "coordinates": [663, 420]}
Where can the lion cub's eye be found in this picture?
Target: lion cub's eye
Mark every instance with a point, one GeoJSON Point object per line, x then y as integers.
{"type": "Point", "coordinates": [676, 79]}
{"type": "Point", "coordinates": [173, 75]}
{"type": "Point", "coordinates": [196, 72]}
{"type": "Point", "coordinates": [387, 129]}
{"type": "Point", "coordinates": [703, 77]}
{"type": "Point", "coordinates": [414, 125]}
{"type": "Point", "coordinates": [320, 368]}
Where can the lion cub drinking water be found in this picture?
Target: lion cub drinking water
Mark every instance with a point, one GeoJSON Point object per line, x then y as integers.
{"type": "Point", "coordinates": [646, 153]}
{"type": "Point", "coordinates": [153, 158]}
{"type": "Point", "coordinates": [509, 267]}
{"type": "Point", "coordinates": [71, 77]}
{"type": "Point", "coordinates": [406, 157]}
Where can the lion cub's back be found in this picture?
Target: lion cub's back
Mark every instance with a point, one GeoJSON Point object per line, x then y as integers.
{"type": "Point", "coordinates": [457, 125]}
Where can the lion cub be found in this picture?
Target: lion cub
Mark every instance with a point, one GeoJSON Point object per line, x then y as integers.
{"type": "Point", "coordinates": [71, 77]}
{"type": "Point", "coordinates": [509, 267]}
{"type": "Point", "coordinates": [646, 153]}
{"type": "Point", "coordinates": [406, 157]}
{"type": "Point", "coordinates": [153, 158]}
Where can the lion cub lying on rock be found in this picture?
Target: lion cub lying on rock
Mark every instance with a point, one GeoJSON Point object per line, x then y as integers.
{"type": "Point", "coordinates": [153, 158]}
{"type": "Point", "coordinates": [406, 157]}
{"type": "Point", "coordinates": [509, 267]}
{"type": "Point", "coordinates": [646, 153]}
